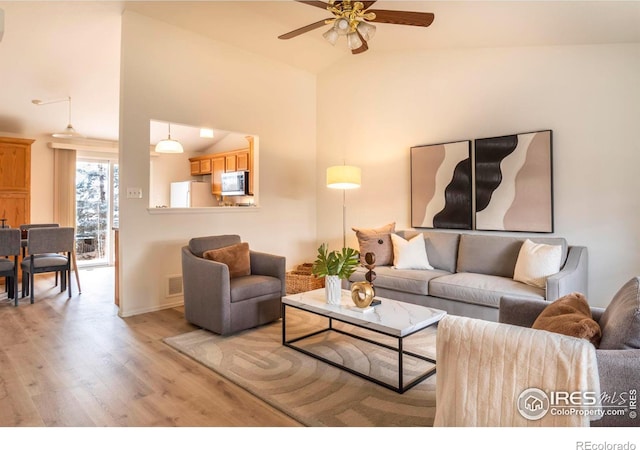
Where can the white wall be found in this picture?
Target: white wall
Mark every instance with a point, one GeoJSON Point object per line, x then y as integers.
{"type": "Point", "coordinates": [174, 75]}
{"type": "Point", "coordinates": [588, 95]}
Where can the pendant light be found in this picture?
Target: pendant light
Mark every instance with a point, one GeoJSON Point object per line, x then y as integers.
{"type": "Point", "coordinates": [68, 132]}
{"type": "Point", "coordinates": [169, 145]}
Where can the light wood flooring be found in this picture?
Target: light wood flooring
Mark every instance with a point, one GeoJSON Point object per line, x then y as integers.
{"type": "Point", "coordinates": [74, 362]}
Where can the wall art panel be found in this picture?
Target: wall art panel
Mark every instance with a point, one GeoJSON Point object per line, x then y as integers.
{"type": "Point", "coordinates": [441, 186]}
{"type": "Point", "coordinates": [514, 183]}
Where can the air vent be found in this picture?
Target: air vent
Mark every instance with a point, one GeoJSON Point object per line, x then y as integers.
{"type": "Point", "coordinates": [174, 285]}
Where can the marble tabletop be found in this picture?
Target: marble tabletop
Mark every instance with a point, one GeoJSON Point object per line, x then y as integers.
{"type": "Point", "coordinates": [392, 317]}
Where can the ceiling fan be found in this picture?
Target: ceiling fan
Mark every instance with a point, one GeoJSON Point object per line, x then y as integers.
{"type": "Point", "coordinates": [351, 19]}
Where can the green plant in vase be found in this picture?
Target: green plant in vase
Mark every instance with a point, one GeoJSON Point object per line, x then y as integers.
{"type": "Point", "coordinates": [335, 266]}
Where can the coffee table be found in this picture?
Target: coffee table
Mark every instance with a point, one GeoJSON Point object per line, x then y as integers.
{"type": "Point", "coordinates": [391, 318]}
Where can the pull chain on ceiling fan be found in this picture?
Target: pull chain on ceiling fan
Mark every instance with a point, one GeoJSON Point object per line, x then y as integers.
{"type": "Point", "coordinates": [351, 19]}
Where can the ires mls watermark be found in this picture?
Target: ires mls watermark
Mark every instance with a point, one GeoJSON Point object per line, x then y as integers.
{"type": "Point", "coordinates": [534, 403]}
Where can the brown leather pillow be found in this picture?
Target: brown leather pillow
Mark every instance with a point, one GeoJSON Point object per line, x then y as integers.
{"type": "Point", "coordinates": [377, 241]}
{"type": "Point", "coordinates": [570, 315]}
{"type": "Point", "coordinates": [236, 257]}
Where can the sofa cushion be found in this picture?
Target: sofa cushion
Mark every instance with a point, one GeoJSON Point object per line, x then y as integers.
{"type": "Point", "coordinates": [620, 321]}
{"type": "Point", "coordinates": [253, 286]}
{"type": "Point", "coordinates": [410, 254]}
{"type": "Point", "coordinates": [236, 257]}
{"type": "Point", "coordinates": [377, 241]}
{"type": "Point", "coordinates": [496, 255]}
{"type": "Point", "coordinates": [536, 262]}
{"type": "Point", "coordinates": [481, 289]}
{"type": "Point", "coordinates": [570, 315]}
{"type": "Point", "coordinates": [409, 281]}
{"type": "Point", "coordinates": [442, 247]}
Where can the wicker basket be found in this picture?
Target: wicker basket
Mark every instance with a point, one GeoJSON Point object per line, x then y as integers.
{"type": "Point", "coordinates": [302, 280]}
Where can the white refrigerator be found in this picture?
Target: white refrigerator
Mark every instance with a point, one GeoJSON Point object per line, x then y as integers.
{"type": "Point", "coordinates": [192, 194]}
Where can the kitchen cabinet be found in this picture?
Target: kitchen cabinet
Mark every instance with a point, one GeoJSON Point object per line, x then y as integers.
{"type": "Point", "coordinates": [217, 163]}
{"type": "Point", "coordinates": [15, 181]}
{"type": "Point", "coordinates": [242, 161]}
{"type": "Point", "coordinates": [217, 168]}
{"type": "Point", "coordinates": [236, 160]}
{"type": "Point", "coordinates": [230, 163]}
{"type": "Point", "coordinates": [200, 165]}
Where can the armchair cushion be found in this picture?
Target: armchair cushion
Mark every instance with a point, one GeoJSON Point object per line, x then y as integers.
{"type": "Point", "coordinates": [570, 315]}
{"type": "Point", "coordinates": [621, 320]}
{"type": "Point", "coordinates": [236, 257]}
{"type": "Point", "coordinates": [254, 286]}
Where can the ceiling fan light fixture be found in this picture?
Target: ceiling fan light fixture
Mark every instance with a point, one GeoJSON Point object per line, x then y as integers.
{"type": "Point", "coordinates": [366, 30]}
{"type": "Point", "coordinates": [342, 26]}
{"type": "Point", "coordinates": [353, 41]}
{"type": "Point", "coordinates": [331, 36]}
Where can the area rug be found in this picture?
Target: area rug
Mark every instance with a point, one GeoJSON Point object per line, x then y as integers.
{"type": "Point", "coordinates": [310, 391]}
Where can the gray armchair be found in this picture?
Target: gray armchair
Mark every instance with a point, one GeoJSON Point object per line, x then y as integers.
{"type": "Point", "coordinates": [224, 305]}
{"type": "Point", "coordinates": [619, 353]}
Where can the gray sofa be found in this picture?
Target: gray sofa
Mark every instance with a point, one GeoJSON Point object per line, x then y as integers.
{"type": "Point", "coordinates": [473, 271]}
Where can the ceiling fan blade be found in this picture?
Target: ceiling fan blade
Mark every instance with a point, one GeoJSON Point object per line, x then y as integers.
{"type": "Point", "coordinates": [363, 48]}
{"type": "Point", "coordinates": [418, 19]}
{"type": "Point", "coordinates": [317, 4]}
{"type": "Point", "coordinates": [299, 31]}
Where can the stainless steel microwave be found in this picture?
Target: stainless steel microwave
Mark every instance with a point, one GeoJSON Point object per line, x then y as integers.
{"type": "Point", "coordinates": [235, 183]}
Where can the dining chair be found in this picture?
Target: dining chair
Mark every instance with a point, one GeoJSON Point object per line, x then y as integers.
{"type": "Point", "coordinates": [24, 230]}
{"type": "Point", "coordinates": [10, 247]}
{"type": "Point", "coordinates": [49, 250]}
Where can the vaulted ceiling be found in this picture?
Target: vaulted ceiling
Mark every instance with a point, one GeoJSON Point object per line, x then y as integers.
{"type": "Point", "coordinates": [56, 49]}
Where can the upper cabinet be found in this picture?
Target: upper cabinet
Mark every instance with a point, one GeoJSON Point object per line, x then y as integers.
{"type": "Point", "coordinates": [200, 165]}
{"type": "Point", "coordinates": [15, 180]}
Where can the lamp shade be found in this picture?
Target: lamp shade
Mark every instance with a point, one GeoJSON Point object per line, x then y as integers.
{"type": "Point", "coordinates": [169, 146]}
{"type": "Point", "coordinates": [343, 177]}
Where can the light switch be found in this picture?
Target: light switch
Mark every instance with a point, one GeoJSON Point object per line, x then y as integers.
{"type": "Point", "coordinates": [134, 192]}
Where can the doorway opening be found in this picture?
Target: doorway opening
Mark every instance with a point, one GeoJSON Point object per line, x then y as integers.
{"type": "Point", "coordinates": [96, 210]}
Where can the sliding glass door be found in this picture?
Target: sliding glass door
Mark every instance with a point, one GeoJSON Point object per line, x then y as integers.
{"type": "Point", "coordinates": [96, 210]}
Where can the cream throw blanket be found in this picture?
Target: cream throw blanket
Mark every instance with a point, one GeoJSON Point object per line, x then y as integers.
{"type": "Point", "coordinates": [483, 367]}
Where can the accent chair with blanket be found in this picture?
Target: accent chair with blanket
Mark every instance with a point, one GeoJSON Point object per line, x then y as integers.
{"type": "Point", "coordinates": [618, 350]}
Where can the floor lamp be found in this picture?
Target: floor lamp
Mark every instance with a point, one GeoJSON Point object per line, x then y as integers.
{"type": "Point", "coordinates": [343, 177]}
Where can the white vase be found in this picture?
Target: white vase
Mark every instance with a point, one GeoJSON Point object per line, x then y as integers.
{"type": "Point", "coordinates": [332, 289]}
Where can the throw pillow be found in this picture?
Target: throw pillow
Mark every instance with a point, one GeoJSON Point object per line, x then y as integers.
{"type": "Point", "coordinates": [236, 257]}
{"type": "Point", "coordinates": [411, 254]}
{"type": "Point", "coordinates": [620, 322]}
{"type": "Point", "coordinates": [570, 315]}
{"type": "Point", "coordinates": [377, 241]}
{"type": "Point", "coordinates": [536, 262]}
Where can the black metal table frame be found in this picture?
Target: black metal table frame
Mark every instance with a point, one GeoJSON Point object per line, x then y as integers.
{"type": "Point", "coordinates": [400, 388]}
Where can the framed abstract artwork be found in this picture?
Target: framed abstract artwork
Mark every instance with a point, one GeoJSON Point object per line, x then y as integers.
{"type": "Point", "coordinates": [441, 186]}
{"type": "Point", "coordinates": [514, 183]}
